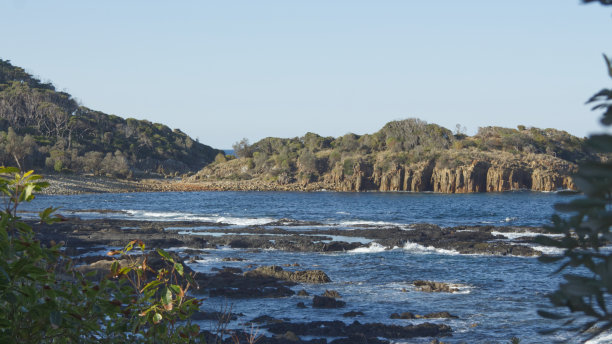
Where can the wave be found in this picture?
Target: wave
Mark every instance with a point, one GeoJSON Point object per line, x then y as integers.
{"type": "Point", "coordinates": [373, 248]}
{"type": "Point", "coordinates": [551, 251]}
{"type": "Point", "coordinates": [418, 248]}
{"type": "Point", "coordinates": [179, 216]}
{"type": "Point", "coordinates": [601, 339]}
{"type": "Point", "coordinates": [364, 223]}
{"type": "Point", "coordinates": [515, 235]}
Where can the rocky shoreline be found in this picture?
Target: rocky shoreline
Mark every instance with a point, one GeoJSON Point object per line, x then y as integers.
{"type": "Point", "coordinates": [82, 184]}
{"type": "Point", "coordinates": [87, 241]}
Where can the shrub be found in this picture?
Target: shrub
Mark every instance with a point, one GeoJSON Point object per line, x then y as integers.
{"type": "Point", "coordinates": [45, 300]}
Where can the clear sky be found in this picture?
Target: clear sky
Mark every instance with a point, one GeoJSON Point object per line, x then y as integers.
{"type": "Point", "coordinates": [224, 70]}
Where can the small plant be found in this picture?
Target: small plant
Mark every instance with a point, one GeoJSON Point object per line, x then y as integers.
{"type": "Point", "coordinates": [156, 305]}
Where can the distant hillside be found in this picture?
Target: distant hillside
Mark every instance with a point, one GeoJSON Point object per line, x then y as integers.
{"type": "Point", "coordinates": [406, 155]}
{"type": "Point", "coordinates": [45, 129]}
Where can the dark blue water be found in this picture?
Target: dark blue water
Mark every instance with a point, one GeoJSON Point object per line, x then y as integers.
{"type": "Point", "coordinates": [514, 208]}
{"type": "Point", "coordinates": [498, 297]}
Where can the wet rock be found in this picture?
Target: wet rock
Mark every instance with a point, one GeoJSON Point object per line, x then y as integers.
{"type": "Point", "coordinates": [303, 293]}
{"type": "Point", "coordinates": [332, 293]}
{"type": "Point", "coordinates": [371, 330]}
{"type": "Point", "coordinates": [288, 336]}
{"type": "Point", "coordinates": [216, 316]}
{"type": "Point", "coordinates": [266, 319]}
{"type": "Point", "coordinates": [233, 259]}
{"type": "Point", "coordinates": [301, 305]}
{"type": "Point", "coordinates": [438, 315]}
{"type": "Point", "coordinates": [243, 293]}
{"type": "Point", "coordinates": [359, 339]}
{"type": "Point", "coordinates": [228, 269]}
{"type": "Point", "coordinates": [434, 287]}
{"type": "Point", "coordinates": [226, 283]}
{"type": "Point", "coordinates": [307, 276]}
{"type": "Point", "coordinates": [326, 302]}
{"type": "Point", "coordinates": [405, 315]}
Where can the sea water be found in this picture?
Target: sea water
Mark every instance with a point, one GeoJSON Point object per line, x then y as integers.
{"type": "Point", "coordinates": [498, 296]}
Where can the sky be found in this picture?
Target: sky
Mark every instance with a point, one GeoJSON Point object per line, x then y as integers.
{"type": "Point", "coordinates": [226, 70]}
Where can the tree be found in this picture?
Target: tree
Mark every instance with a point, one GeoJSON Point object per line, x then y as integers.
{"type": "Point", "coordinates": [586, 225]}
{"type": "Point", "coordinates": [243, 149]}
{"type": "Point", "coordinates": [19, 147]}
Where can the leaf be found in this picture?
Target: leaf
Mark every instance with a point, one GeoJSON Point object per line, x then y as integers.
{"type": "Point", "coordinates": [165, 255]}
{"type": "Point", "coordinates": [179, 268]}
{"type": "Point", "coordinates": [157, 318]}
{"type": "Point", "coordinates": [151, 285]}
{"type": "Point", "coordinates": [167, 299]}
{"type": "Point", "coordinates": [114, 268]}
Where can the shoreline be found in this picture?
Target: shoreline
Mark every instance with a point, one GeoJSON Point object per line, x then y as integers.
{"type": "Point", "coordinates": [87, 184]}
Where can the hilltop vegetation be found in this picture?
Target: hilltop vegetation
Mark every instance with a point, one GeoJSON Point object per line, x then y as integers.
{"type": "Point", "coordinates": [43, 128]}
{"type": "Point", "coordinates": [494, 159]}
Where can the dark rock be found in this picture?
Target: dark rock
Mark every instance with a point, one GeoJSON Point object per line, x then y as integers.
{"type": "Point", "coordinates": [288, 336]}
{"type": "Point", "coordinates": [216, 316]}
{"type": "Point", "coordinates": [326, 302]}
{"type": "Point", "coordinates": [307, 276]}
{"type": "Point", "coordinates": [405, 315]}
{"type": "Point", "coordinates": [332, 293]}
{"type": "Point", "coordinates": [266, 319]}
{"type": "Point", "coordinates": [359, 339]}
{"type": "Point", "coordinates": [233, 259]}
{"type": "Point", "coordinates": [303, 293]}
{"type": "Point", "coordinates": [226, 283]}
{"type": "Point", "coordinates": [372, 330]}
{"type": "Point", "coordinates": [434, 287]}
{"type": "Point", "coordinates": [243, 293]}
{"type": "Point", "coordinates": [301, 305]}
{"type": "Point", "coordinates": [437, 315]}
{"type": "Point", "coordinates": [228, 269]}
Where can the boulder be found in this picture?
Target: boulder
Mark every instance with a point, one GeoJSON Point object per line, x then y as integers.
{"type": "Point", "coordinates": [307, 276]}
{"type": "Point", "coordinates": [434, 287]}
{"type": "Point", "coordinates": [326, 302]}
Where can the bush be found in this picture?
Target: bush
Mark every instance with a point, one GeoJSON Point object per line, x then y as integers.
{"type": "Point", "coordinates": [45, 300]}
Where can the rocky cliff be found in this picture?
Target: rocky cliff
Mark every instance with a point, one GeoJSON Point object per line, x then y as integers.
{"type": "Point", "coordinates": [487, 174]}
{"type": "Point", "coordinates": [545, 174]}
{"type": "Point", "coordinates": [408, 155]}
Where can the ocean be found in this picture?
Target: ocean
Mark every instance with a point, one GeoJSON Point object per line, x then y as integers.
{"type": "Point", "coordinates": [498, 295]}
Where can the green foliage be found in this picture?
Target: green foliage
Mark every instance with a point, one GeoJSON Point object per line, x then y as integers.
{"type": "Point", "coordinates": [220, 158]}
{"type": "Point", "coordinates": [45, 300]}
{"type": "Point", "coordinates": [348, 167]}
{"type": "Point", "coordinates": [29, 108]}
{"type": "Point", "coordinates": [585, 224]}
{"type": "Point", "coordinates": [243, 149]}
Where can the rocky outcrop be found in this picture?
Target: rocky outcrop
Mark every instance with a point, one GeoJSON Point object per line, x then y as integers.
{"type": "Point", "coordinates": [326, 302]}
{"type": "Point", "coordinates": [434, 287]}
{"type": "Point", "coordinates": [307, 276]}
{"type": "Point", "coordinates": [538, 173]}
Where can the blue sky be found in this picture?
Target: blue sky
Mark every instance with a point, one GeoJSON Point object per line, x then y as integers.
{"type": "Point", "coordinates": [224, 70]}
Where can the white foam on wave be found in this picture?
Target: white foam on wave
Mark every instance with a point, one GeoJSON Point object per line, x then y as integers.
{"type": "Point", "coordinates": [373, 248]}
{"type": "Point", "coordinates": [418, 248]}
{"type": "Point", "coordinates": [178, 216]}
{"type": "Point", "coordinates": [358, 223]}
{"type": "Point", "coordinates": [601, 339]}
{"type": "Point", "coordinates": [514, 235]}
{"type": "Point", "coordinates": [551, 251]}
